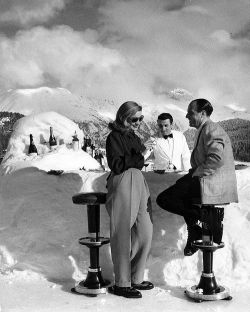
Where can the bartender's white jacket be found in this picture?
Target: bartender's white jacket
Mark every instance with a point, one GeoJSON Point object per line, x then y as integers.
{"type": "Point", "coordinates": [177, 152]}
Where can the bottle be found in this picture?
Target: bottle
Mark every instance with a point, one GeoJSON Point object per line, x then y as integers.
{"type": "Point", "coordinates": [84, 147]}
{"type": "Point", "coordinates": [93, 149]}
{"type": "Point", "coordinates": [88, 146]}
{"type": "Point", "coordinates": [75, 142]}
{"type": "Point", "coordinates": [99, 157]}
{"type": "Point", "coordinates": [52, 139]}
{"type": "Point", "coordinates": [32, 147]}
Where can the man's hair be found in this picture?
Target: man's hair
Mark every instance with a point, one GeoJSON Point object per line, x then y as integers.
{"type": "Point", "coordinates": [165, 116]}
{"type": "Point", "coordinates": [203, 104]}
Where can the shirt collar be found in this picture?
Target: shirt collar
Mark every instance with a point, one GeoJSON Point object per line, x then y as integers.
{"type": "Point", "coordinates": [201, 125]}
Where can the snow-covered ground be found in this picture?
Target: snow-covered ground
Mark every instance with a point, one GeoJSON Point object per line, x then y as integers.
{"type": "Point", "coordinates": [40, 258]}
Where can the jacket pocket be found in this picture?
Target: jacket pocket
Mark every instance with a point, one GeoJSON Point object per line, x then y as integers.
{"type": "Point", "coordinates": [211, 186]}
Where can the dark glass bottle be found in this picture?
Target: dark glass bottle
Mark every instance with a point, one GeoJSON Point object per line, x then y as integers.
{"type": "Point", "coordinates": [52, 139]}
{"type": "Point", "coordinates": [99, 157]}
{"type": "Point", "coordinates": [32, 147]}
{"type": "Point", "coordinates": [88, 146]}
{"type": "Point", "coordinates": [84, 144]}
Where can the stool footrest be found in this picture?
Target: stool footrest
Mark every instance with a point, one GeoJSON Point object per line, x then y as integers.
{"type": "Point", "coordinates": [203, 246]}
{"type": "Point", "coordinates": [92, 242]}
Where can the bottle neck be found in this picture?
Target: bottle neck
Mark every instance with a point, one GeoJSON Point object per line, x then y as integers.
{"type": "Point", "coordinates": [52, 139]}
{"type": "Point", "coordinates": [31, 139]}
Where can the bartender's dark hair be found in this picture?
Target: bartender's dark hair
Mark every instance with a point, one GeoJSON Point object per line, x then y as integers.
{"type": "Point", "coordinates": [125, 111]}
{"type": "Point", "coordinates": [203, 104]}
{"type": "Point", "coordinates": [165, 116]}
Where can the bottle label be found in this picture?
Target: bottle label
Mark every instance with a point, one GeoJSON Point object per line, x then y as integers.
{"type": "Point", "coordinates": [75, 145]}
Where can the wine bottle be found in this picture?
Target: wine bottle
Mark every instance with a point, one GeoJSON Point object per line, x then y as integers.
{"type": "Point", "coordinates": [75, 142]}
{"type": "Point", "coordinates": [32, 147]}
{"type": "Point", "coordinates": [52, 139]}
{"type": "Point", "coordinates": [93, 149]}
{"type": "Point", "coordinates": [84, 144]}
{"type": "Point", "coordinates": [88, 146]}
{"type": "Point", "coordinates": [99, 157]}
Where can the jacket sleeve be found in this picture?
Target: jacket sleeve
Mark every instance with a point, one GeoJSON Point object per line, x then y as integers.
{"type": "Point", "coordinates": [214, 141]}
{"type": "Point", "coordinates": [118, 159]}
{"type": "Point", "coordinates": [185, 155]}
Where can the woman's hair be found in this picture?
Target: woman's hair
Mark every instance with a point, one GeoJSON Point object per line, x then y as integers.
{"type": "Point", "coordinates": [125, 111]}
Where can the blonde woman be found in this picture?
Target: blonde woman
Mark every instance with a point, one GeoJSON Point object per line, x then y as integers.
{"type": "Point", "coordinates": [128, 202]}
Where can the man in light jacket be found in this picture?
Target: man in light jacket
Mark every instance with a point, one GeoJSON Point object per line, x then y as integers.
{"type": "Point", "coordinates": [211, 179]}
{"type": "Point", "coordinates": [170, 150]}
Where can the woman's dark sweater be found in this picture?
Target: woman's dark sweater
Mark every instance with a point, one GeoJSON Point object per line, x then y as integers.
{"type": "Point", "coordinates": [123, 150]}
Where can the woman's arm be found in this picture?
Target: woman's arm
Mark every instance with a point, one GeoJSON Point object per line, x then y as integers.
{"type": "Point", "coordinates": [120, 157]}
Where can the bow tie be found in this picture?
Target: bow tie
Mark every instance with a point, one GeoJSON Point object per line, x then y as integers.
{"type": "Point", "coordinates": [168, 136]}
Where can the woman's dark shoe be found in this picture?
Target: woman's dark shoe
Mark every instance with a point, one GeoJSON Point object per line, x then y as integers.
{"type": "Point", "coordinates": [194, 233]}
{"type": "Point", "coordinates": [145, 285]}
{"type": "Point", "coordinates": [127, 292]}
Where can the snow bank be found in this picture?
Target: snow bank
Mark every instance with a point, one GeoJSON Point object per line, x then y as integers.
{"type": "Point", "coordinates": [63, 157]}
{"type": "Point", "coordinates": [40, 226]}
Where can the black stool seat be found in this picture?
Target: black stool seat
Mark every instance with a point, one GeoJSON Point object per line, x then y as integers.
{"type": "Point", "coordinates": [89, 198]}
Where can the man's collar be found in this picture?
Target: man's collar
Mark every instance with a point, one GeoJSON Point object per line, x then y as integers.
{"type": "Point", "coordinates": [201, 125]}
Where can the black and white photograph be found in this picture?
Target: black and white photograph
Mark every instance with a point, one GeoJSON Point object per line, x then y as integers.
{"type": "Point", "coordinates": [124, 155]}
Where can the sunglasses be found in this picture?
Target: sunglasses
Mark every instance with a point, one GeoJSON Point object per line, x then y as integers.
{"type": "Point", "coordinates": [135, 119]}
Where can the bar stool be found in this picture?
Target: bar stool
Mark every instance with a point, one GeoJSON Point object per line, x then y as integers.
{"type": "Point", "coordinates": [94, 284]}
{"type": "Point", "coordinates": [212, 230]}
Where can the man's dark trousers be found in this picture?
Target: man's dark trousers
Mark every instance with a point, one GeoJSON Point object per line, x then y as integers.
{"type": "Point", "coordinates": [178, 198]}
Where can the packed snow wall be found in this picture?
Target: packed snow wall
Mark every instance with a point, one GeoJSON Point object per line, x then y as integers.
{"type": "Point", "coordinates": [40, 228]}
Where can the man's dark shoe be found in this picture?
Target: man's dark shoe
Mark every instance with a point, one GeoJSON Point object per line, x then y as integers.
{"type": "Point", "coordinates": [127, 292]}
{"type": "Point", "coordinates": [145, 285]}
{"type": "Point", "coordinates": [194, 233]}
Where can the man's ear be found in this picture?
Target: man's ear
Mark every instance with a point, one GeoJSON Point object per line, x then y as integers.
{"type": "Point", "coordinates": [203, 113]}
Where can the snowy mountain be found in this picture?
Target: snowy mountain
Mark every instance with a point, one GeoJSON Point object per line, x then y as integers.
{"type": "Point", "coordinates": [33, 101]}
{"type": "Point", "coordinates": [79, 108]}
{"type": "Point", "coordinates": [92, 114]}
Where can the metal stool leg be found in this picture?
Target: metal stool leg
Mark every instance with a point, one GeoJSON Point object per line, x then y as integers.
{"type": "Point", "coordinates": [208, 288]}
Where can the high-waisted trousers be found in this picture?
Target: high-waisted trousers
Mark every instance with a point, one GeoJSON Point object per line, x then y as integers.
{"type": "Point", "coordinates": [129, 207]}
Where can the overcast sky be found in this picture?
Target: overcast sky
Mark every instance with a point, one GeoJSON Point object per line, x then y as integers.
{"type": "Point", "coordinates": [159, 53]}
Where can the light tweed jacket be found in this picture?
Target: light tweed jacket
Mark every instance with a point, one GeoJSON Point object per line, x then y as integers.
{"type": "Point", "coordinates": [212, 159]}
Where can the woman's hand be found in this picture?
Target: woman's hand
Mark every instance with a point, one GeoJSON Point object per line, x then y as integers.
{"type": "Point", "coordinates": [150, 143]}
